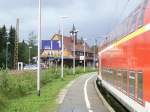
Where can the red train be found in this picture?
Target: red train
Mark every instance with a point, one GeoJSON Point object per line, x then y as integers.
{"type": "Point", "coordinates": [124, 60]}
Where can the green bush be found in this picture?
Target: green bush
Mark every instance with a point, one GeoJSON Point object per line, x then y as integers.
{"type": "Point", "coordinates": [3, 101]}
{"type": "Point", "coordinates": [13, 85]}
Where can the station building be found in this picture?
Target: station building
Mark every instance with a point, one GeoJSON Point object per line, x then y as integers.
{"type": "Point", "coordinates": [51, 51]}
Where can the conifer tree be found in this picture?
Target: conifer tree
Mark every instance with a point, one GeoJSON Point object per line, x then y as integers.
{"type": "Point", "coordinates": [11, 39]}
{"type": "Point", "coordinates": [3, 40]}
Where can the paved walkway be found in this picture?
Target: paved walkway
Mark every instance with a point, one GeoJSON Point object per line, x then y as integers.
{"type": "Point", "coordinates": [82, 97]}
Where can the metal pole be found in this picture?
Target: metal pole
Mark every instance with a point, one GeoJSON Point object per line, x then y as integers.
{"type": "Point", "coordinates": [62, 50]}
{"type": "Point", "coordinates": [29, 55]}
{"type": "Point", "coordinates": [94, 54]}
{"type": "Point", "coordinates": [100, 63]}
{"type": "Point", "coordinates": [74, 57]}
{"type": "Point", "coordinates": [39, 45]}
{"type": "Point", "coordinates": [84, 55]}
{"type": "Point", "coordinates": [62, 54]}
{"type": "Point", "coordinates": [100, 66]}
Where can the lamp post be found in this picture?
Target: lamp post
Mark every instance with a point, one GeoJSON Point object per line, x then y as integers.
{"type": "Point", "coordinates": [84, 54]}
{"type": "Point", "coordinates": [94, 57]}
{"type": "Point", "coordinates": [62, 46]}
{"type": "Point", "coordinates": [39, 46]}
{"type": "Point", "coordinates": [74, 32]}
{"type": "Point", "coordinates": [7, 54]}
{"type": "Point", "coordinates": [74, 53]}
{"type": "Point", "coordinates": [30, 54]}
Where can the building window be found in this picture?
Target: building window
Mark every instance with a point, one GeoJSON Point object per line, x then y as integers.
{"type": "Point", "coordinates": [124, 85]}
{"type": "Point", "coordinates": [77, 53]}
{"type": "Point", "coordinates": [140, 87]}
{"type": "Point", "coordinates": [132, 84]}
{"type": "Point", "coordinates": [81, 53]}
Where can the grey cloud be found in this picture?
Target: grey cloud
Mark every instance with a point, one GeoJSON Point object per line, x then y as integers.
{"type": "Point", "coordinates": [92, 17]}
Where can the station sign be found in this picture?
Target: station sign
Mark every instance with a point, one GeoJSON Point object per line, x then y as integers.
{"type": "Point", "coordinates": [81, 57]}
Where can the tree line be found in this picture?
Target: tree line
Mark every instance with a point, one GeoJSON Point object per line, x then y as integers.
{"type": "Point", "coordinates": [8, 36]}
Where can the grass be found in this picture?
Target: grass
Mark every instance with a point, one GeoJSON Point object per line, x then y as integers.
{"type": "Point", "coordinates": [45, 103]}
{"type": "Point", "coordinates": [28, 101]}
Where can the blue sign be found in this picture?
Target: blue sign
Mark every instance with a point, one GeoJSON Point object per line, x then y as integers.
{"type": "Point", "coordinates": [51, 45]}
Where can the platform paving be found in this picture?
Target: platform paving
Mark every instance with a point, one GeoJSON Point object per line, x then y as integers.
{"type": "Point", "coordinates": [74, 100]}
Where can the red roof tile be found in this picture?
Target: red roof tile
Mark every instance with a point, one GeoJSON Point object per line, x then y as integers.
{"type": "Point", "coordinates": [69, 41]}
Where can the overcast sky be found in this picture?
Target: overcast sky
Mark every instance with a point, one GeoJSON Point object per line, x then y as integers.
{"type": "Point", "coordinates": [93, 18]}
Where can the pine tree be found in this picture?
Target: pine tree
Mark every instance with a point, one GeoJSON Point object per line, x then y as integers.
{"type": "Point", "coordinates": [23, 52]}
{"type": "Point", "coordinates": [3, 40]}
{"type": "Point", "coordinates": [11, 39]}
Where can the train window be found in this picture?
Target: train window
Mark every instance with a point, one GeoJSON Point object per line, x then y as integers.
{"type": "Point", "coordinates": [133, 23]}
{"type": "Point", "coordinates": [108, 75]}
{"type": "Point", "coordinates": [103, 73]}
{"type": "Point", "coordinates": [129, 25]}
{"type": "Point", "coordinates": [141, 19]}
{"type": "Point", "coordinates": [140, 86]}
{"type": "Point", "coordinates": [145, 3]}
{"type": "Point", "coordinates": [125, 73]}
{"type": "Point", "coordinates": [111, 76]}
{"type": "Point", "coordinates": [114, 75]}
{"type": "Point", "coordinates": [119, 79]}
{"type": "Point", "coordinates": [126, 28]}
{"type": "Point", "coordinates": [132, 84]}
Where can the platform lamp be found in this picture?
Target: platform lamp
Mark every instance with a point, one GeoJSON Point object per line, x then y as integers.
{"type": "Point", "coordinates": [62, 47]}
{"type": "Point", "coordinates": [84, 54]}
{"type": "Point", "coordinates": [39, 46]}
{"type": "Point", "coordinates": [74, 32]}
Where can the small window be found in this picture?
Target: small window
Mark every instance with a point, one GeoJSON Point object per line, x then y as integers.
{"type": "Point", "coordinates": [145, 3]}
{"type": "Point", "coordinates": [107, 75]}
{"type": "Point", "coordinates": [104, 73]}
{"type": "Point", "coordinates": [119, 79]}
{"type": "Point", "coordinates": [133, 23]}
{"type": "Point", "coordinates": [129, 26]}
{"type": "Point", "coordinates": [132, 84]}
{"type": "Point", "coordinates": [141, 19]}
{"type": "Point", "coordinates": [114, 75]}
{"type": "Point", "coordinates": [124, 73]}
{"type": "Point", "coordinates": [140, 87]}
{"type": "Point", "coordinates": [81, 53]}
{"type": "Point", "coordinates": [111, 76]}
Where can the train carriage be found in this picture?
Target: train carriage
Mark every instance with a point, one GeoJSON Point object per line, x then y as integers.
{"type": "Point", "coordinates": [124, 62]}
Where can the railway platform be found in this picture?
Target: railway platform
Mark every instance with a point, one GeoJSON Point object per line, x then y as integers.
{"type": "Point", "coordinates": [81, 96]}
